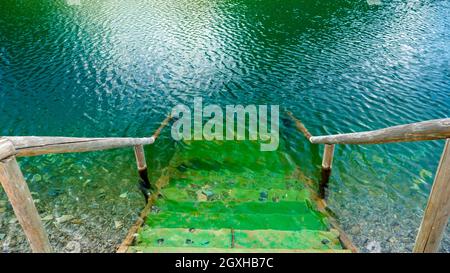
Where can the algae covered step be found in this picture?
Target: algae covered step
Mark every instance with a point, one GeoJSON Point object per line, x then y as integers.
{"type": "Point", "coordinates": [194, 194]}
{"type": "Point", "coordinates": [227, 239]}
{"type": "Point", "coordinates": [233, 207]}
{"type": "Point", "coordinates": [278, 221]}
{"type": "Point", "coordinates": [226, 179]}
{"type": "Point", "coordinates": [143, 249]}
{"type": "Point", "coordinates": [230, 197]}
{"type": "Point", "coordinates": [233, 155]}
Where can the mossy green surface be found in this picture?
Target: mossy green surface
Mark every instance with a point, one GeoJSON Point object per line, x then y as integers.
{"type": "Point", "coordinates": [229, 194]}
{"type": "Point", "coordinates": [226, 238]}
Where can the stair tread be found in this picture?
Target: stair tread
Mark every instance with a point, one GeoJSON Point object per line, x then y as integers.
{"type": "Point", "coordinates": [222, 196]}
{"type": "Point", "coordinates": [144, 249]}
{"type": "Point", "coordinates": [310, 220]}
{"type": "Point", "coordinates": [184, 174]}
{"type": "Point", "coordinates": [237, 194]}
{"type": "Point", "coordinates": [236, 156]}
{"type": "Point", "coordinates": [227, 238]}
{"type": "Point", "coordinates": [283, 207]}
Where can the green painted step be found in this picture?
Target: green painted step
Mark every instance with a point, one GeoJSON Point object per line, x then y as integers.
{"type": "Point", "coordinates": [228, 196]}
{"type": "Point", "coordinates": [293, 208]}
{"type": "Point", "coordinates": [182, 237]}
{"type": "Point", "coordinates": [304, 239]}
{"type": "Point", "coordinates": [144, 249]}
{"type": "Point", "coordinates": [238, 195]}
{"type": "Point", "coordinates": [227, 238]}
{"type": "Point", "coordinates": [169, 219]}
{"type": "Point", "coordinates": [232, 155]}
{"type": "Point", "coordinates": [225, 179]}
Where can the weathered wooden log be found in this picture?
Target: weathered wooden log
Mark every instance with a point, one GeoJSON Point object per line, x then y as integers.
{"type": "Point", "coordinates": [300, 126]}
{"type": "Point", "coordinates": [34, 145]}
{"type": "Point", "coordinates": [144, 183]}
{"type": "Point", "coordinates": [438, 208]}
{"type": "Point", "coordinates": [140, 157]}
{"type": "Point", "coordinates": [426, 130]}
{"type": "Point", "coordinates": [327, 162]}
{"type": "Point", "coordinates": [19, 196]}
{"type": "Point", "coordinates": [164, 123]}
{"type": "Point", "coordinates": [6, 149]}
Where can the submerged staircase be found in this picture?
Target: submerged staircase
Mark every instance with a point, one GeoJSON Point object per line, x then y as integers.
{"type": "Point", "coordinates": [231, 197]}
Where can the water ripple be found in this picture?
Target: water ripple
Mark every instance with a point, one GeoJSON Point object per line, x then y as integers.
{"type": "Point", "coordinates": [115, 68]}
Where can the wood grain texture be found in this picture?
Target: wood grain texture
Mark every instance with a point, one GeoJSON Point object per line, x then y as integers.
{"type": "Point", "coordinates": [6, 149]}
{"type": "Point", "coordinates": [164, 123]}
{"type": "Point", "coordinates": [426, 130]}
{"type": "Point", "coordinates": [438, 208]}
{"type": "Point", "coordinates": [140, 157]}
{"type": "Point", "coordinates": [33, 145]}
{"type": "Point", "coordinates": [20, 198]}
{"type": "Point", "coordinates": [300, 126]}
{"type": "Point", "coordinates": [327, 160]}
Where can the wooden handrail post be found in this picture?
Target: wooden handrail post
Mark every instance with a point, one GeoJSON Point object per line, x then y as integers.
{"type": "Point", "coordinates": [327, 163]}
{"type": "Point", "coordinates": [438, 208]}
{"type": "Point", "coordinates": [20, 198]}
{"type": "Point", "coordinates": [144, 182]}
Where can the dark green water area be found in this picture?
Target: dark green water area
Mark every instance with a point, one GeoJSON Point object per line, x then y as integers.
{"type": "Point", "coordinates": [94, 68]}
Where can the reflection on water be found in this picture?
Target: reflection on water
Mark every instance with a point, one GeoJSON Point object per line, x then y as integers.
{"type": "Point", "coordinates": [115, 68]}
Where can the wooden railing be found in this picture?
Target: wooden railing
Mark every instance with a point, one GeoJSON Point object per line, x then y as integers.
{"type": "Point", "coordinates": [13, 182]}
{"type": "Point", "coordinates": [438, 208]}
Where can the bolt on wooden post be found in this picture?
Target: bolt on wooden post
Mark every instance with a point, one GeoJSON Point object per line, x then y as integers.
{"type": "Point", "coordinates": [327, 162]}
{"type": "Point", "coordinates": [19, 196]}
{"type": "Point", "coordinates": [438, 208]}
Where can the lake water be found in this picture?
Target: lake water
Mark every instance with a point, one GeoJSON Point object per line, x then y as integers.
{"type": "Point", "coordinates": [116, 68]}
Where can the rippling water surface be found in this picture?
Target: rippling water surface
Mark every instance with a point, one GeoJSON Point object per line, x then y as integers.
{"type": "Point", "coordinates": [116, 68]}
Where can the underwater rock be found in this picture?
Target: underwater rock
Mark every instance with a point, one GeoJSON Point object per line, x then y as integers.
{"type": "Point", "coordinates": [209, 194]}
{"type": "Point", "coordinates": [374, 247]}
{"type": "Point", "coordinates": [64, 219]}
{"type": "Point", "coordinates": [72, 247]}
{"type": "Point", "coordinates": [392, 240]}
{"type": "Point", "coordinates": [118, 224]}
{"type": "Point", "coordinates": [374, 2]}
{"type": "Point", "coordinates": [123, 195]}
{"type": "Point", "coordinates": [263, 196]}
{"type": "Point", "coordinates": [47, 218]}
{"type": "Point", "coordinates": [76, 221]}
{"type": "Point", "coordinates": [37, 177]}
{"type": "Point", "coordinates": [355, 230]}
{"type": "Point", "coordinates": [201, 196]}
{"type": "Point", "coordinates": [54, 192]}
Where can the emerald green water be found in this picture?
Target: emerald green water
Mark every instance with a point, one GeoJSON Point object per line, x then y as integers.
{"type": "Point", "coordinates": [116, 68]}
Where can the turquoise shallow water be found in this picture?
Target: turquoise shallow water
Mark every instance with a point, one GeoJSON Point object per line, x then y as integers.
{"type": "Point", "coordinates": [115, 68]}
